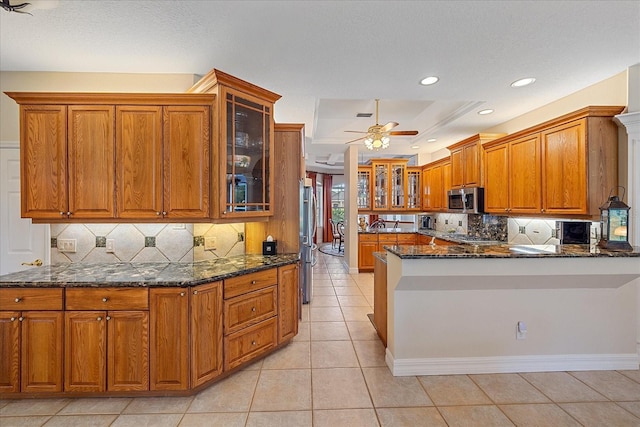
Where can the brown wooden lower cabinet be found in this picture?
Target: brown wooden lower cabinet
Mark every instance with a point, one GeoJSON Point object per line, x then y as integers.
{"type": "Point", "coordinates": [368, 243]}
{"type": "Point", "coordinates": [380, 299]}
{"type": "Point", "coordinates": [169, 338]}
{"type": "Point", "coordinates": [158, 340]}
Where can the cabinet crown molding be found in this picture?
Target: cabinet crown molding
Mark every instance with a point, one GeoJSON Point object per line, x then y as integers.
{"type": "Point", "coordinates": [480, 137]}
{"type": "Point", "coordinates": [105, 98]}
{"type": "Point", "coordinates": [217, 77]}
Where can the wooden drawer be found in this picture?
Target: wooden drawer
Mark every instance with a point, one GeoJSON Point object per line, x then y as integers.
{"type": "Point", "coordinates": [107, 299]}
{"type": "Point", "coordinates": [407, 239]}
{"type": "Point", "coordinates": [388, 239]}
{"type": "Point", "coordinates": [368, 237]}
{"type": "Point", "coordinates": [30, 299]}
{"type": "Point", "coordinates": [251, 308]}
{"type": "Point", "coordinates": [250, 342]}
{"type": "Point", "coordinates": [250, 282]}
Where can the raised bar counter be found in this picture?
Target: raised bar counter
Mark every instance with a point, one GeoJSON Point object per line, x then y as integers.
{"type": "Point", "coordinates": [454, 309]}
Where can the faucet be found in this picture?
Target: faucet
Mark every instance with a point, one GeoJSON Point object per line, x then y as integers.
{"type": "Point", "coordinates": [396, 224]}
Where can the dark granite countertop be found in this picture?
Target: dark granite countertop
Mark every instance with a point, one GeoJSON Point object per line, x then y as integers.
{"type": "Point", "coordinates": [151, 274]}
{"type": "Point", "coordinates": [505, 251]}
{"type": "Point", "coordinates": [460, 238]}
{"type": "Point", "coordinates": [382, 256]}
{"type": "Point", "coordinates": [388, 231]}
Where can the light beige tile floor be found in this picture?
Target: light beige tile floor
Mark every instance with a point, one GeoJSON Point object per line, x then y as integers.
{"type": "Point", "coordinates": [334, 374]}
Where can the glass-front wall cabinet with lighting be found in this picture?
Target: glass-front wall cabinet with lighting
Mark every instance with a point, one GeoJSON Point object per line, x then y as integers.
{"type": "Point", "coordinates": [389, 184]}
{"type": "Point", "coordinates": [364, 188]}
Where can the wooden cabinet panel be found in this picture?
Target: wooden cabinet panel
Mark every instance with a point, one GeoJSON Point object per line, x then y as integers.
{"type": "Point", "coordinates": [406, 238]}
{"type": "Point", "coordinates": [206, 332]}
{"type": "Point", "coordinates": [43, 161]}
{"type": "Point", "coordinates": [139, 161]}
{"type": "Point", "coordinates": [107, 299]}
{"type": "Point", "coordinates": [288, 302]}
{"type": "Point", "coordinates": [446, 184]}
{"type": "Point", "coordinates": [457, 169]}
{"type": "Point", "coordinates": [564, 174]}
{"type": "Point", "coordinates": [366, 260]}
{"type": "Point", "coordinates": [380, 299]}
{"type": "Point", "coordinates": [31, 299]}
{"type": "Point", "coordinates": [250, 342]}
{"type": "Point", "coordinates": [41, 351]}
{"type": "Point", "coordinates": [127, 350]}
{"type": "Point", "coordinates": [250, 308]}
{"type": "Point", "coordinates": [496, 191]}
{"type": "Point", "coordinates": [91, 161]}
{"type": "Point", "coordinates": [169, 339]}
{"type": "Point", "coordinates": [471, 158]}
{"type": "Point", "coordinates": [424, 239]}
{"type": "Point", "coordinates": [9, 351]}
{"type": "Point", "coordinates": [235, 286]}
{"type": "Point", "coordinates": [524, 175]}
{"type": "Point", "coordinates": [85, 351]}
{"type": "Point", "coordinates": [186, 161]}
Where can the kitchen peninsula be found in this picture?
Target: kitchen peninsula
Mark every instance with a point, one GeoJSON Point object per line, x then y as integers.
{"type": "Point", "coordinates": [509, 308]}
{"type": "Point", "coordinates": [125, 329]}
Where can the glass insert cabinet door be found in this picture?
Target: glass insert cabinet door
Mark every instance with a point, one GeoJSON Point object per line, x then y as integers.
{"type": "Point", "coordinates": [381, 185]}
{"type": "Point", "coordinates": [398, 186]}
{"type": "Point", "coordinates": [248, 150]}
{"type": "Point", "coordinates": [413, 188]}
{"type": "Point", "coordinates": [364, 188]}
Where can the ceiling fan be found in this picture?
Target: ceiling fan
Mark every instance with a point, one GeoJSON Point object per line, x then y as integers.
{"type": "Point", "coordinates": [377, 136]}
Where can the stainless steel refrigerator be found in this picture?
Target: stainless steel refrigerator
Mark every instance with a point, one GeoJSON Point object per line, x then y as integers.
{"type": "Point", "coordinates": [308, 226]}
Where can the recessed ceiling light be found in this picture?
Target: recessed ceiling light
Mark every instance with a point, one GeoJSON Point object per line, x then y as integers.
{"type": "Point", "coordinates": [523, 82]}
{"type": "Point", "coordinates": [431, 140]}
{"type": "Point", "coordinates": [415, 147]}
{"type": "Point", "coordinates": [485, 112]}
{"type": "Point", "coordinates": [429, 80]}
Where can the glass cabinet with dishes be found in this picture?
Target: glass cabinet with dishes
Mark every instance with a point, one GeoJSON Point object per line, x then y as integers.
{"type": "Point", "coordinates": [414, 175]}
{"type": "Point", "coordinates": [389, 184]}
{"type": "Point", "coordinates": [244, 116]}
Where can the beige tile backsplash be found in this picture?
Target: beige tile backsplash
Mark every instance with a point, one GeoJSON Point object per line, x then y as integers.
{"type": "Point", "coordinates": [147, 242]}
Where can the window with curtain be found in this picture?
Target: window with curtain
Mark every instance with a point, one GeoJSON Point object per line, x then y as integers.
{"type": "Point", "coordinates": [337, 202]}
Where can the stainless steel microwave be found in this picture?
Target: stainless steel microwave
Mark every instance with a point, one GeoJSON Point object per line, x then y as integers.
{"type": "Point", "coordinates": [466, 200]}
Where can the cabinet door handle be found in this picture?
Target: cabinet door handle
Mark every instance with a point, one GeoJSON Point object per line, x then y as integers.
{"type": "Point", "coordinates": [157, 213]}
{"type": "Point", "coordinates": [253, 282]}
{"type": "Point", "coordinates": [62, 214]}
{"type": "Point", "coordinates": [21, 318]}
{"type": "Point", "coordinates": [17, 299]}
{"type": "Point", "coordinates": [105, 299]}
{"type": "Point", "coordinates": [253, 309]}
{"type": "Point", "coordinates": [181, 294]}
{"type": "Point", "coordinates": [99, 318]}
{"type": "Point", "coordinates": [69, 213]}
{"type": "Point", "coordinates": [108, 317]}
{"type": "Point", "coordinates": [253, 342]}
{"type": "Point", "coordinates": [195, 292]}
{"type": "Point", "coordinates": [13, 318]}
{"type": "Point", "coordinates": [164, 213]}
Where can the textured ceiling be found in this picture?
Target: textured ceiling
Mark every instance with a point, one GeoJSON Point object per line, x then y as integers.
{"type": "Point", "coordinates": [330, 59]}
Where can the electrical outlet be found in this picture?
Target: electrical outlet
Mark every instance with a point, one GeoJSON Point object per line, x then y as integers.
{"type": "Point", "coordinates": [210, 243]}
{"type": "Point", "coordinates": [67, 245]}
{"type": "Point", "coordinates": [522, 229]}
{"type": "Point", "coordinates": [460, 223]}
{"type": "Point", "coordinates": [521, 330]}
{"type": "Point", "coordinates": [446, 221]}
{"type": "Point", "coordinates": [240, 236]}
{"type": "Point", "coordinates": [110, 246]}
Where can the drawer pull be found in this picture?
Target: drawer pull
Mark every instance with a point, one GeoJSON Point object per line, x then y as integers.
{"type": "Point", "coordinates": [253, 342]}
{"type": "Point", "coordinates": [105, 299]}
{"type": "Point", "coordinates": [181, 294]}
{"type": "Point", "coordinates": [18, 299]}
{"type": "Point", "coordinates": [253, 309]}
{"type": "Point", "coordinates": [253, 282]}
{"type": "Point", "coordinates": [99, 318]}
{"type": "Point", "coordinates": [195, 292]}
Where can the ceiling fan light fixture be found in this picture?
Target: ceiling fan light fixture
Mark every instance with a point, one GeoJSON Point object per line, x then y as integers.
{"type": "Point", "coordinates": [523, 82]}
{"type": "Point", "coordinates": [376, 142]}
{"type": "Point", "coordinates": [429, 80]}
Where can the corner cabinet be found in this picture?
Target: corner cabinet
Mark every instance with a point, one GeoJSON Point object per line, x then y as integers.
{"type": "Point", "coordinates": [436, 181]}
{"type": "Point", "coordinates": [244, 145]}
{"type": "Point", "coordinates": [566, 166]}
{"type": "Point", "coordinates": [93, 157]}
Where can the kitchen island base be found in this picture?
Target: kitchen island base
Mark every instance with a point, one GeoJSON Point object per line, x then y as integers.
{"type": "Point", "coordinates": [460, 315]}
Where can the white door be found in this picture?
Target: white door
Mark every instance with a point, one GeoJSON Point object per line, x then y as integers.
{"type": "Point", "coordinates": [20, 240]}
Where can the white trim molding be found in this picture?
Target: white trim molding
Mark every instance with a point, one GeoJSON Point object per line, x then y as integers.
{"type": "Point", "coordinates": [510, 364]}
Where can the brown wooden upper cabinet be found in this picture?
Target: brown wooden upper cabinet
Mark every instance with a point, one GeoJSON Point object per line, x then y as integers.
{"type": "Point", "coordinates": [364, 188]}
{"type": "Point", "coordinates": [389, 178]}
{"type": "Point", "coordinates": [244, 115]}
{"type": "Point", "coordinates": [466, 160]}
{"type": "Point", "coordinates": [67, 163]}
{"type": "Point", "coordinates": [436, 181]}
{"type": "Point", "coordinates": [566, 166]}
{"type": "Point", "coordinates": [102, 156]}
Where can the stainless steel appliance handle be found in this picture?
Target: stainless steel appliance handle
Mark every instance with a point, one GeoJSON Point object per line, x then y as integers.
{"type": "Point", "coordinates": [314, 206]}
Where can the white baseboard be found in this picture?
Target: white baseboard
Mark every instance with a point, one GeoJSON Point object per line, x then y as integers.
{"type": "Point", "coordinates": [510, 364]}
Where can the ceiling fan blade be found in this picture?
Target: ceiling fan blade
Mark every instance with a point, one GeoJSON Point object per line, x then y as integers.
{"type": "Point", "coordinates": [355, 131]}
{"type": "Point", "coordinates": [388, 126]}
{"type": "Point", "coordinates": [357, 139]}
{"type": "Point", "coordinates": [403, 132]}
